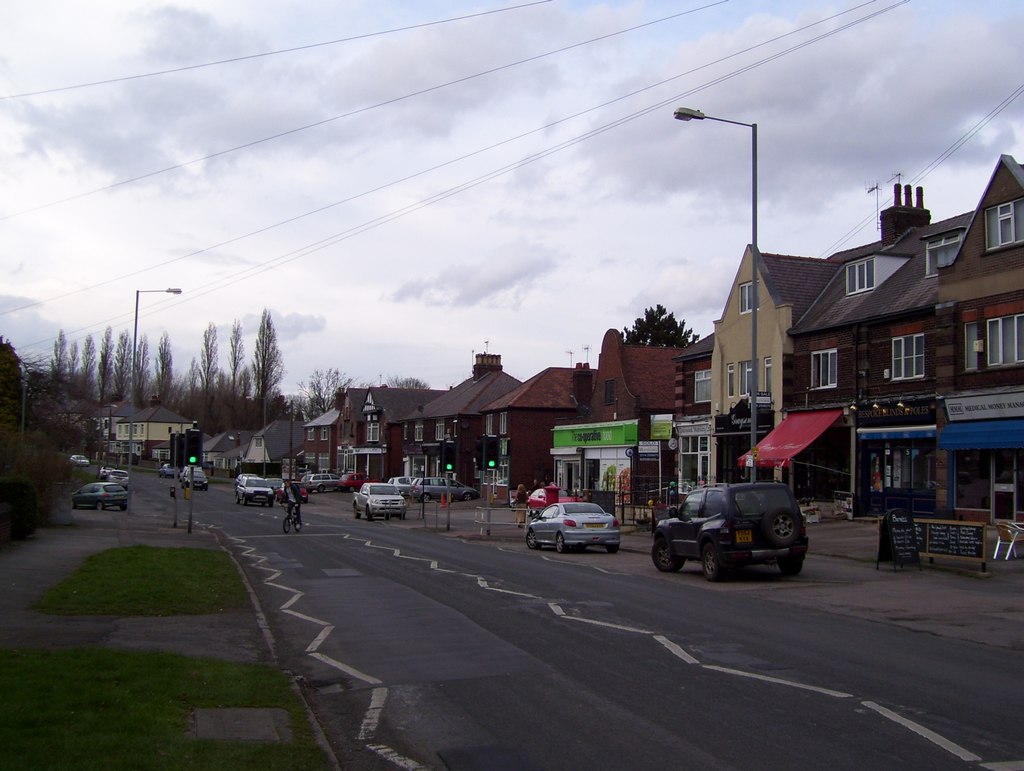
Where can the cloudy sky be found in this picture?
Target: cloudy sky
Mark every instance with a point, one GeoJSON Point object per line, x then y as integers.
{"type": "Point", "coordinates": [405, 183]}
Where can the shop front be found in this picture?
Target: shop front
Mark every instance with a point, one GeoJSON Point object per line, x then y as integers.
{"type": "Point", "coordinates": [984, 437]}
{"type": "Point", "coordinates": [732, 440]}
{"type": "Point", "coordinates": [694, 447]}
{"type": "Point", "coordinates": [604, 452]}
{"type": "Point", "coordinates": [896, 449]}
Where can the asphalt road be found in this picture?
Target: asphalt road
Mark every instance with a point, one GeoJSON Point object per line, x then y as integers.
{"type": "Point", "coordinates": [420, 651]}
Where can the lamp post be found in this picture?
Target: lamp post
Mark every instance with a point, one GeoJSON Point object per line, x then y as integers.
{"type": "Point", "coordinates": [686, 114]}
{"type": "Point", "coordinates": [131, 395]}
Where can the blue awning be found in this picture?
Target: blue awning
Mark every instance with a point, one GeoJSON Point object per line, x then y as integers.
{"type": "Point", "coordinates": [897, 432]}
{"type": "Point", "coordinates": [982, 435]}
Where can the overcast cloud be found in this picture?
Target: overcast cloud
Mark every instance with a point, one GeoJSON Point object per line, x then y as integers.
{"type": "Point", "coordinates": [373, 193]}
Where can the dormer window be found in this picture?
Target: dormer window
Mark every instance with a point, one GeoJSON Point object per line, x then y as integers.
{"type": "Point", "coordinates": [860, 276]}
{"type": "Point", "coordinates": [940, 253]}
{"type": "Point", "coordinates": [746, 297]}
{"type": "Point", "coordinates": [1004, 224]}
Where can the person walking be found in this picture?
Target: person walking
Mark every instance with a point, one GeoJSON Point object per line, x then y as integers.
{"type": "Point", "coordinates": [521, 500]}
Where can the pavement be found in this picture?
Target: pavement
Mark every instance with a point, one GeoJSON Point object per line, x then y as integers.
{"type": "Point", "coordinates": [841, 576]}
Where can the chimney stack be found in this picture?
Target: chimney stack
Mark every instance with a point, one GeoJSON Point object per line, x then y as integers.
{"type": "Point", "coordinates": [903, 215]}
{"type": "Point", "coordinates": [486, 362]}
{"type": "Point", "coordinates": [582, 383]}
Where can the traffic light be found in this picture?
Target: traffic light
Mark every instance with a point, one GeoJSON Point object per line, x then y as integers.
{"type": "Point", "coordinates": [193, 447]}
{"type": "Point", "coordinates": [448, 456]}
{"type": "Point", "coordinates": [488, 448]}
{"type": "Point", "coordinates": [178, 450]}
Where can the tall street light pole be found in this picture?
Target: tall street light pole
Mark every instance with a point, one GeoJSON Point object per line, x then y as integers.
{"type": "Point", "coordinates": [131, 394]}
{"type": "Point", "coordinates": [686, 114]}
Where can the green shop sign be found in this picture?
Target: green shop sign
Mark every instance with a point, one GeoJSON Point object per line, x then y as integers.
{"type": "Point", "coordinates": [595, 434]}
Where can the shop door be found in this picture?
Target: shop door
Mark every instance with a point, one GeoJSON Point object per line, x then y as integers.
{"type": "Point", "coordinates": [1003, 488]}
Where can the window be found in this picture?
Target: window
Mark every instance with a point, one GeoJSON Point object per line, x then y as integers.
{"type": "Point", "coordinates": [744, 371]}
{"type": "Point", "coordinates": [907, 357]}
{"type": "Point", "coordinates": [702, 385]}
{"type": "Point", "coordinates": [259, 442]}
{"type": "Point", "coordinates": [310, 435]}
{"type": "Point", "coordinates": [1006, 340]}
{"type": "Point", "coordinates": [860, 276]}
{"type": "Point", "coordinates": [325, 433]}
{"type": "Point", "coordinates": [439, 430]}
{"type": "Point", "coordinates": [940, 253]}
{"type": "Point", "coordinates": [972, 356]}
{"type": "Point", "coordinates": [609, 392]}
{"type": "Point", "coordinates": [768, 373]}
{"type": "Point", "coordinates": [730, 379]}
{"type": "Point", "coordinates": [373, 431]}
{"type": "Point", "coordinates": [1001, 224]}
{"type": "Point", "coordinates": [823, 369]}
{"type": "Point", "coordinates": [418, 432]}
{"type": "Point", "coordinates": [503, 423]}
{"type": "Point", "coordinates": [489, 424]}
{"type": "Point", "coordinates": [746, 297]}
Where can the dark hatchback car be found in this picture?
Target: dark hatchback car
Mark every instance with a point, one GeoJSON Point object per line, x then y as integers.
{"type": "Point", "coordinates": [726, 526]}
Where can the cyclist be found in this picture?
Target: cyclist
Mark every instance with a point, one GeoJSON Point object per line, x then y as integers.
{"type": "Point", "coordinates": [293, 498]}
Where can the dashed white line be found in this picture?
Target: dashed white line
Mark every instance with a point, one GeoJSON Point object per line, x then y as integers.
{"type": "Point", "coordinates": [372, 717]}
{"type": "Point", "coordinates": [676, 650]}
{"type": "Point", "coordinates": [924, 733]}
{"type": "Point", "coordinates": [780, 681]}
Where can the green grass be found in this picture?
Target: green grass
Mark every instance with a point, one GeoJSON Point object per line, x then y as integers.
{"type": "Point", "coordinates": [98, 708]}
{"type": "Point", "coordinates": [149, 581]}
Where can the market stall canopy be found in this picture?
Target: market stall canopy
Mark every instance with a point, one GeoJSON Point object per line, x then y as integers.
{"type": "Point", "coordinates": [792, 436]}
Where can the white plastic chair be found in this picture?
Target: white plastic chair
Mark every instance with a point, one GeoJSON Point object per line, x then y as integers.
{"type": "Point", "coordinates": [1009, 534]}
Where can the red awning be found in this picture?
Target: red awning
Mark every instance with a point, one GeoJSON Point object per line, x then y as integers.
{"type": "Point", "coordinates": [791, 436]}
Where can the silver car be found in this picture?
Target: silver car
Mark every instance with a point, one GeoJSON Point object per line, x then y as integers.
{"type": "Point", "coordinates": [378, 498]}
{"type": "Point", "coordinates": [573, 526]}
{"type": "Point", "coordinates": [251, 489]}
{"type": "Point", "coordinates": [404, 484]}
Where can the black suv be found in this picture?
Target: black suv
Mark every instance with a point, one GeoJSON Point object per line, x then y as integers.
{"type": "Point", "coordinates": [727, 526]}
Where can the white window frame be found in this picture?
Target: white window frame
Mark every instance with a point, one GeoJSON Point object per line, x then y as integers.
{"type": "Point", "coordinates": [310, 433]}
{"type": "Point", "coordinates": [825, 368]}
{"type": "Point", "coordinates": [746, 293]}
{"type": "Point", "coordinates": [730, 380]}
{"type": "Point", "coordinates": [702, 386]}
{"type": "Point", "coordinates": [768, 374]}
{"type": "Point", "coordinates": [860, 276]}
{"type": "Point", "coordinates": [503, 423]}
{"type": "Point", "coordinates": [1001, 224]}
{"type": "Point", "coordinates": [325, 433]}
{"type": "Point", "coordinates": [1005, 340]}
{"type": "Point", "coordinates": [439, 430]}
{"type": "Point", "coordinates": [743, 371]}
{"type": "Point", "coordinates": [372, 431]}
{"type": "Point", "coordinates": [417, 434]}
{"type": "Point", "coordinates": [937, 248]}
{"type": "Point", "coordinates": [972, 358]}
{"type": "Point", "coordinates": [489, 424]}
{"type": "Point", "coordinates": [908, 357]}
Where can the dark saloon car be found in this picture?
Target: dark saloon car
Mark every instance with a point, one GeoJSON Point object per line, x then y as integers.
{"type": "Point", "coordinates": [100, 495]}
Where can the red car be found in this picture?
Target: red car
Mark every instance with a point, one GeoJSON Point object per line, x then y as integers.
{"type": "Point", "coordinates": [277, 485]}
{"type": "Point", "coordinates": [545, 496]}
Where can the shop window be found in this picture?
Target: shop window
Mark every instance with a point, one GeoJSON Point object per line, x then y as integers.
{"type": "Point", "coordinates": [973, 479]}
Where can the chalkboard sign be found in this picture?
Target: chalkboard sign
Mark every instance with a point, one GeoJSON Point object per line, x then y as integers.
{"type": "Point", "coordinates": [898, 539]}
{"type": "Point", "coordinates": [952, 538]}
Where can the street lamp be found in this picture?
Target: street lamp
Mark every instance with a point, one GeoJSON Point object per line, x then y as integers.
{"type": "Point", "coordinates": [131, 395]}
{"type": "Point", "coordinates": [686, 114]}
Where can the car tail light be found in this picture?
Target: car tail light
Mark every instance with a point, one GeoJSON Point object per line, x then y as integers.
{"type": "Point", "coordinates": [571, 523]}
{"type": "Point", "coordinates": [615, 522]}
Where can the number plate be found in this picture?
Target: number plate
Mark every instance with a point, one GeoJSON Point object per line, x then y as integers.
{"type": "Point", "coordinates": [744, 536]}
{"type": "Point", "coordinates": [593, 524]}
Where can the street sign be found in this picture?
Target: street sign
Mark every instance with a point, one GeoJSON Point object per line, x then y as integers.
{"type": "Point", "coordinates": [649, 449]}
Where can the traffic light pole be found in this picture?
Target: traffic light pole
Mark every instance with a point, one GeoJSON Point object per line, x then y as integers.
{"type": "Point", "coordinates": [191, 491]}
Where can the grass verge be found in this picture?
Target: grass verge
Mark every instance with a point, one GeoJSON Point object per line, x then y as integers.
{"type": "Point", "coordinates": [98, 708]}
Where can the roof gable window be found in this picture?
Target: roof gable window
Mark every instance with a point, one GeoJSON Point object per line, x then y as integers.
{"type": "Point", "coordinates": [940, 253]}
{"type": "Point", "coordinates": [1004, 224]}
{"type": "Point", "coordinates": [860, 276]}
{"type": "Point", "coordinates": [746, 297]}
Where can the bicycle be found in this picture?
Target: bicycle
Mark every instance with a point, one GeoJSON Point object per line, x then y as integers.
{"type": "Point", "coordinates": [293, 518]}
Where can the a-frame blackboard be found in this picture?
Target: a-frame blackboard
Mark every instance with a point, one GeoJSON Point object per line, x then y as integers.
{"type": "Point", "coordinates": [897, 539]}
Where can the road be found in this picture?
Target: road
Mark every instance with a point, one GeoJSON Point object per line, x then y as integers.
{"type": "Point", "coordinates": [422, 651]}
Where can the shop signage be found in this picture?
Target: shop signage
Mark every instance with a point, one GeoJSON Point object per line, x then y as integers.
{"type": "Point", "coordinates": [738, 420]}
{"type": "Point", "coordinates": [985, 407]}
{"type": "Point", "coordinates": [649, 449]}
{"type": "Point", "coordinates": [661, 426]}
{"type": "Point", "coordinates": [595, 434]}
{"type": "Point", "coordinates": [701, 428]}
{"type": "Point", "coordinates": [910, 414]}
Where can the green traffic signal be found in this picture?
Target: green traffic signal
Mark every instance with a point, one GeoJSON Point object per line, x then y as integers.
{"type": "Point", "coordinates": [491, 463]}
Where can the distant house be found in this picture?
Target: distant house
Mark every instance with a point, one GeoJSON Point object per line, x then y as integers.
{"type": "Point", "coordinates": [277, 448]}
{"type": "Point", "coordinates": [151, 427]}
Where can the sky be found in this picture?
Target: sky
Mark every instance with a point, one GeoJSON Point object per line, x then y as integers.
{"type": "Point", "coordinates": [404, 184]}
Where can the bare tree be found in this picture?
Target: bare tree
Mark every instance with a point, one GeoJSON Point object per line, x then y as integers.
{"type": "Point", "coordinates": [208, 370]}
{"type": "Point", "coordinates": [89, 367]}
{"type": "Point", "coordinates": [59, 359]}
{"type": "Point", "coordinates": [236, 355]}
{"type": "Point", "coordinates": [267, 362]}
{"type": "Point", "coordinates": [319, 393]}
{"type": "Point", "coordinates": [142, 372]}
{"type": "Point", "coordinates": [122, 375]}
{"type": "Point", "coordinates": [164, 369]}
{"type": "Point", "coordinates": [394, 381]}
{"type": "Point", "coordinates": [105, 366]}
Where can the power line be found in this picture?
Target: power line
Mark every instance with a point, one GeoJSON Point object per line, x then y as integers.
{"type": "Point", "coordinates": [247, 57]}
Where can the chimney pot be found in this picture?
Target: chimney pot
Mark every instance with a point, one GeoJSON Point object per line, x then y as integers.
{"type": "Point", "coordinates": [897, 198]}
{"type": "Point", "coordinates": [920, 197]}
{"type": "Point", "coordinates": [908, 199]}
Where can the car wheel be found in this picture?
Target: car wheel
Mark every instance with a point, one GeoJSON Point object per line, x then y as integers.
{"type": "Point", "coordinates": [710, 563]}
{"type": "Point", "coordinates": [781, 527]}
{"type": "Point", "coordinates": [319, 488]}
{"type": "Point", "coordinates": [791, 566]}
{"type": "Point", "coordinates": [467, 496]}
{"type": "Point", "coordinates": [531, 540]}
{"type": "Point", "coordinates": [612, 548]}
{"type": "Point", "coordinates": [426, 497]}
{"type": "Point", "coordinates": [124, 507]}
{"type": "Point", "coordinates": [560, 545]}
{"type": "Point", "coordinates": [663, 558]}
{"type": "Point", "coordinates": [99, 506]}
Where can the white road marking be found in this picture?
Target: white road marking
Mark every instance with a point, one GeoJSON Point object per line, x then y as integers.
{"type": "Point", "coordinates": [924, 733]}
{"type": "Point", "coordinates": [372, 717]}
{"type": "Point", "coordinates": [352, 671]}
{"type": "Point", "coordinates": [1006, 765]}
{"type": "Point", "coordinates": [676, 650]}
{"type": "Point", "coordinates": [318, 640]}
{"type": "Point", "coordinates": [780, 681]}
{"type": "Point", "coordinates": [393, 757]}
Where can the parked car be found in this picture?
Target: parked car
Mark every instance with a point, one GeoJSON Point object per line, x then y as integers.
{"type": "Point", "coordinates": [726, 526]}
{"type": "Point", "coordinates": [277, 483]}
{"type": "Point", "coordinates": [404, 485]}
{"type": "Point", "coordinates": [378, 498]}
{"type": "Point", "coordinates": [432, 488]}
{"type": "Point", "coordinates": [538, 499]}
{"type": "Point", "coordinates": [199, 479]}
{"type": "Point", "coordinates": [118, 475]}
{"type": "Point", "coordinates": [353, 480]}
{"type": "Point", "coordinates": [250, 489]}
{"type": "Point", "coordinates": [167, 471]}
{"type": "Point", "coordinates": [78, 460]}
{"type": "Point", "coordinates": [573, 525]}
{"type": "Point", "coordinates": [101, 473]}
{"type": "Point", "coordinates": [320, 483]}
{"type": "Point", "coordinates": [100, 495]}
